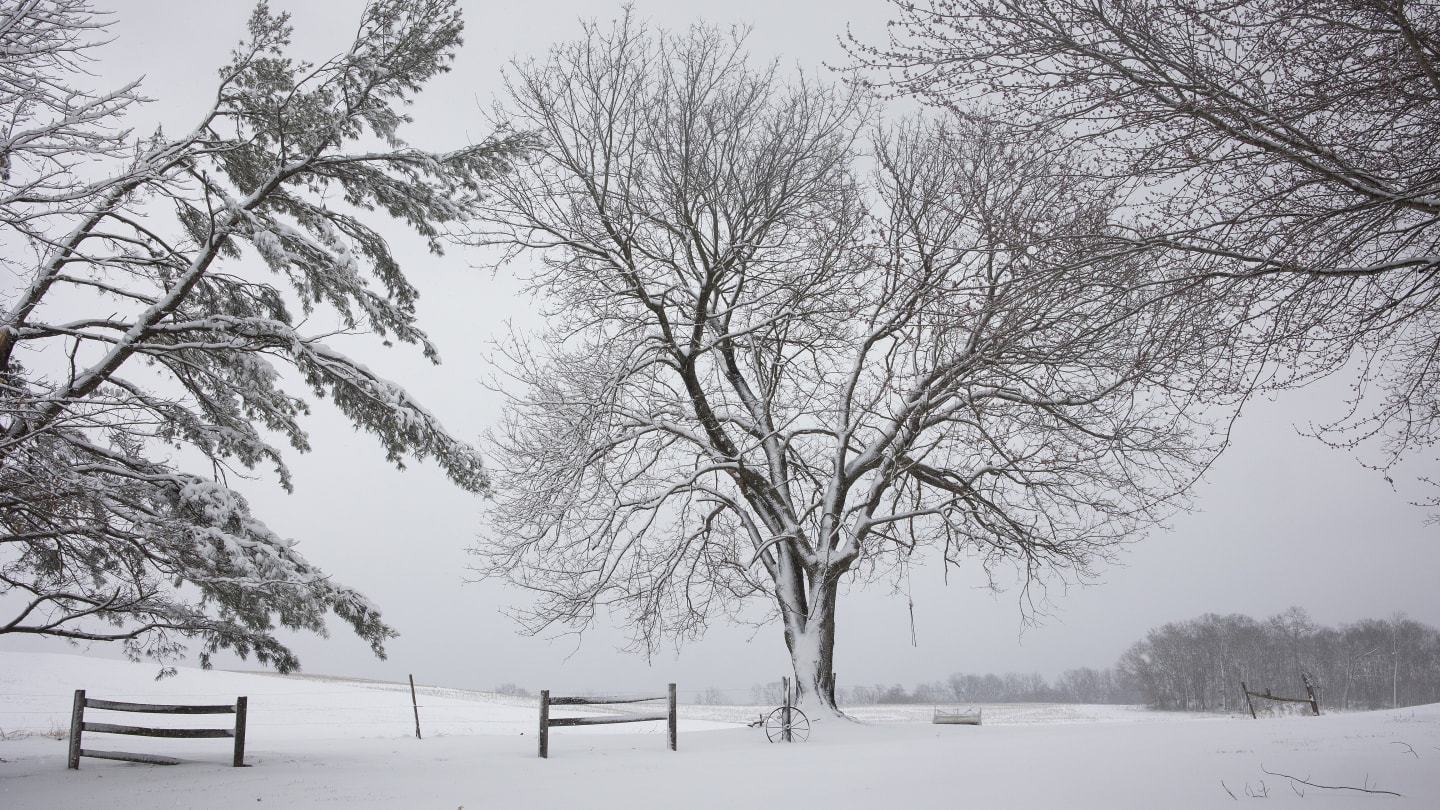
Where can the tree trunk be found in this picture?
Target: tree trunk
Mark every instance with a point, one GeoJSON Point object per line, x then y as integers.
{"type": "Point", "coordinates": [811, 641]}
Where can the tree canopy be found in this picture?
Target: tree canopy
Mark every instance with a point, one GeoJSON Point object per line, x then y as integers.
{"type": "Point", "coordinates": [772, 369]}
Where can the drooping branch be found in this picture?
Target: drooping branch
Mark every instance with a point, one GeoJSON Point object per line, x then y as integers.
{"type": "Point", "coordinates": [158, 310]}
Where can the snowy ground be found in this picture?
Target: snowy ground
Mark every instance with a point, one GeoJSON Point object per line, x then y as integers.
{"type": "Point", "coordinates": [316, 742]}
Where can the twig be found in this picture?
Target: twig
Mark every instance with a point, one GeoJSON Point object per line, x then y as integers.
{"type": "Point", "coordinates": [1330, 787]}
{"type": "Point", "coordinates": [1408, 748]}
{"type": "Point", "coordinates": [1227, 790]}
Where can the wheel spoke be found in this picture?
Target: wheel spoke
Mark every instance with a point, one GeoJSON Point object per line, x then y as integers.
{"type": "Point", "coordinates": [787, 724]}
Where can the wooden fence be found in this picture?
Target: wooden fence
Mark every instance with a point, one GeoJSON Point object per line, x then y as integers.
{"type": "Point", "coordinates": [546, 721]}
{"type": "Point", "coordinates": [78, 726]}
{"type": "Point", "coordinates": [1312, 701]}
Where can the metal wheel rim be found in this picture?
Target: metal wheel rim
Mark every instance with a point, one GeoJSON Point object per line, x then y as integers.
{"type": "Point", "coordinates": [775, 727]}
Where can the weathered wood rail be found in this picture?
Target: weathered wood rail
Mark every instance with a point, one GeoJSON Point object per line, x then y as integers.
{"type": "Point", "coordinates": [1312, 701]}
{"type": "Point", "coordinates": [78, 727]}
{"type": "Point", "coordinates": [547, 722]}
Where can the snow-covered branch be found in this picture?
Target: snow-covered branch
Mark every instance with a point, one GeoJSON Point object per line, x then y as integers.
{"type": "Point", "coordinates": [194, 253]}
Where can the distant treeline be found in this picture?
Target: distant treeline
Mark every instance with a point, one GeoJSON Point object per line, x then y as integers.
{"type": "Point", "coordinates": [1198, 665]}
{"type": "Point", "coordinates": [1083, 685]}
{"type": "Point", "coordinates": [1074, 686]}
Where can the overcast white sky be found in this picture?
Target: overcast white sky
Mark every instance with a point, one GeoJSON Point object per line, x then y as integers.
{"type": "Point", "coordinates": [1283, 520]}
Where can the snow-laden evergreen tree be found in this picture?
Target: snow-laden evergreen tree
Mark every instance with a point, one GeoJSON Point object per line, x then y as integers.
{"type": "Point", "coordinates": [773, 374]}
{"type": "Point", "coordinates": [156, 293]}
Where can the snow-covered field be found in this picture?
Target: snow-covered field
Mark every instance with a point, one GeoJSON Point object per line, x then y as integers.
{"type": "Point", "coordinates": [318, 742]}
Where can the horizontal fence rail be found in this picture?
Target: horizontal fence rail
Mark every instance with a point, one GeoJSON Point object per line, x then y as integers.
{"type": "Point", "coordinates": [78, 727]}
{"type": "Point", "coordinates": [547, 722]}
{"type": "Point", "coordinates": [1312, 701]}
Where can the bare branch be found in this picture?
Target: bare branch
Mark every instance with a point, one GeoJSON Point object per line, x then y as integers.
{"type": "Point", "coordinates": [1296, 779]}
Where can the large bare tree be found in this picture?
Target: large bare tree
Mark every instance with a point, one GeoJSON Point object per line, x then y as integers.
{"type": "Point", "coordinates": [162, 289]}
{"type": "Point", "coordinates": [1294, 145]}
{"type": "Point", "coordinates": [770, 371]}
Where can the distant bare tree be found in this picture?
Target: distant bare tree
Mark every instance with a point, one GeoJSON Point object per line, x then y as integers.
{"type": "Point", "coordinates": [1292, 144]}
{"type": "Point", "coordinates": [767, 374]}
{"type": "Point", "coordinates": [1085, 685]}
{"type": "Point", "coordinates": [512, 690]}
{"type": "Point", "coordinates": [713, 696]}
{"type": "Point", "coordinates": [767, 693]}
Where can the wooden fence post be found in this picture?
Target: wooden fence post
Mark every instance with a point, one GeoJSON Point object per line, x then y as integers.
{"type": "Point", "coordinates": [674, 728]}
{"type": "Point", "coordinates": [1310, 690]}
{"type": "Point", "coordinates": [1248, 701]}
{"type": "Point", "coordinates": [242, 705]}
{"type": "Point", "coordinates": [416, 705]}
{"type": "Point", "coordinates": [785, 712]}
{"type": "Point", "coordinates": [77, 721]}
{"type": "Point", "coordinates": [544, 723]}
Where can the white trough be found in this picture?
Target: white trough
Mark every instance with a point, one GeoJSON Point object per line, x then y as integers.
{"type": "Point", "coordinates": [957, 717]}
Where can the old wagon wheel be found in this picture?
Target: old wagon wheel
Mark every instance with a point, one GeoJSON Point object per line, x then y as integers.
{"type": "Point", "coordinates": [787, 724]}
